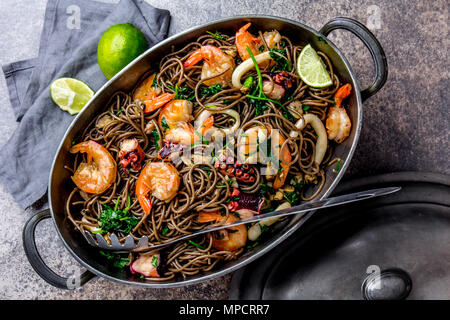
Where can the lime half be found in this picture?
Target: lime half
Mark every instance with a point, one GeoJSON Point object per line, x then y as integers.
{"type": "Point", "coordinates": [311, 69]}
{"type": "Point", "coordinates": [70, 94]}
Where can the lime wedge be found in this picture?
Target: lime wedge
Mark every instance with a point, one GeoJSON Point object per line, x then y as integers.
{"type": "Point", "coordinates": [311, 69]}
{"type": "Point", "coordinates": [70, 94]}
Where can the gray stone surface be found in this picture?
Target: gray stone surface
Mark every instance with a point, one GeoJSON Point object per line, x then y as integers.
{"type": "Point", "coordinates": [406, 125]}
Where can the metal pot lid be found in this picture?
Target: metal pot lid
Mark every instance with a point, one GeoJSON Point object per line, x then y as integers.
{"type": "Point", "coordinates": [394, 247]}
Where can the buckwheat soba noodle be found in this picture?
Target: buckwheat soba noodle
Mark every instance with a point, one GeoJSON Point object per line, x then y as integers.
{"type": "Point", "coordinates": [223, 128]}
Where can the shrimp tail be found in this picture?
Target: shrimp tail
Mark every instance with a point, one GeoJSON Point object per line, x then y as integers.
{"type": "Point", "coordinates": [250, 36]}
{"type": "Point", "coordinates": [207, 124]}
{"type": "Point", "coordinates": [342, 93]}
{"type": "Point", "coordinates": [205, 216]}
{"type": "Point", "coordinates": [194, 58]}
{"type": "Point", "coordinates": [158, 102]}
{"type": "Point", "coordinates": [145, 203]}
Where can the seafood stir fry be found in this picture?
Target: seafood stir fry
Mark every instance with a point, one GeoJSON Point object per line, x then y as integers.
{"type": "Point", "coordinates": [226, 127]}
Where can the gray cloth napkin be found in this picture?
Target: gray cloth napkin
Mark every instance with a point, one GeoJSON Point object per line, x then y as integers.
{"type": "Point", "coordinates": [68, 48]}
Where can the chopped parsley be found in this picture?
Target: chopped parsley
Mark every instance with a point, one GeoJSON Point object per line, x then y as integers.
{"type": "Point", "coordinates": [338, 166]}
{"type": "Point", "coordinates": [117, 220]}
{"type": "Point", "coordinates": [211, 90]}
{"type": "Point", "coordinates": [155, 82]}
{"type": "Point", "coordinates": [263, 228]}
{"type": "Point", "coordinates": [254, 244]}
{"type": "Point", "coordinates": [183, 93]}
{"type": "Point", "coordinates": [306, 108]}
{"type": "Point", "coordinates": [118, 260]}
{"type": "Point", "coordinates": [292, 197]}
{"type": "Point", "coordinates": [298, 185]}
{"type": "Point", "coordinates": [232, 199]}
{"type": "Point", "coordinates": [165, 230]}
{"type": "Point", "coordinates": [265, 190]}
{"type": "Point", "coordinates": [217, 35]}
{"type": "Point", "coordinates": [280, 57]}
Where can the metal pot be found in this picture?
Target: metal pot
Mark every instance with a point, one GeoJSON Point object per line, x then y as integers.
{"type": "Point", "coordinates": [60, 183]}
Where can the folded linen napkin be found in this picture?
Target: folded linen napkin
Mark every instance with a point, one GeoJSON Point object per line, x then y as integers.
{"type": "Point", "coordinates": [68, 48]}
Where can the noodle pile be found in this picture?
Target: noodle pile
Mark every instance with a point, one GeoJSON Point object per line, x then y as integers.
{"type": "Point", "coordinates": [203, 187]}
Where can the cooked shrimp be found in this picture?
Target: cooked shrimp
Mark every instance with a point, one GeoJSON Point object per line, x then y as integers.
{"type": "Point", "coordinates": [150, 95]}
{"type": "Point", "coordinates": [338, 123]}
{"type": "Point", "coordinates": [272, 38]}
{"type": "Point", "coordinates": [229, 239]}
{"type": "Point", "coordinates": [99, 172]}
{"type": "Point", "coordinates": [174, 120]}
{"type": "Point", "coordinates": [216, 62]}
{"type": "Point", "coordinates": [342, 93]}
{"type": "Point", "coordinates": [249, 150]}
{"type": "Point", "coordinates": [160, 179]}
{"type": "Point", "coordinates": [245, 39]}
{"type": "Point", "coordinates": [284, 156]}
{"type": "Point", "coordinates": [147, 265]}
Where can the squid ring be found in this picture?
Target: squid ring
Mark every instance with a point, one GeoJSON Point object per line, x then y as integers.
{"type": "Point", "coordinates": [205, 114]}
{"type": "Point", "coordinates": [247, 65]}
{"type": "Point", "coordinates": [322, 140]}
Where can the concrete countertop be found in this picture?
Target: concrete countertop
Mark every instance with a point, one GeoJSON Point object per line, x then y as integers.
{"type": "Point", "coordinates": [405, 126]}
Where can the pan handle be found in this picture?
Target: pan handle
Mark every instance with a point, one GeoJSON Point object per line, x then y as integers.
{"type": "Point", "coordinates": [374, 46]}
{"type": "Point", "coordinates": [38, 264]}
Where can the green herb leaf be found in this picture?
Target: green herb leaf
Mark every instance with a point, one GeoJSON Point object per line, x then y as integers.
{"type": "Point", "coordinates": [263, 228]}
{"type": "Point", "coordinates": [196, 244]}
{"type": "Point", "coordinates": [165, 230]}
{"type": "Point", "coordinates": [117, 259]}
{"type": "Point", "coordinates": [201, 137]}
{"type": "Point", "coordinates": [254, 244]}
{"type": "Point", "coordinates": [113, 220]}
{"type": "Point", "coordinates": [185, 94]}
{"type": "Point", "coordinates": [156, 137]}
{"type": "Point", "coordinates": [305, 108]}
{"type": "Point", "coordinates": [155, 81]}
{"type": "Point", "coordinates": [217, 35]}
{"type": "Point", "coordinates": [292, 197]}
{"type": "Point", "coordinates": [155, 261]}
{"type": "Point", "coordinates": [280, 57]}
{"type": "Point", "coordinates": [164, 125]}
{"type": "Point", "coordinates": [265, 190]}
{"type": "Point", "coordinates": [211, 90]}
{"type": "Point", "coordinates": [248, 83]}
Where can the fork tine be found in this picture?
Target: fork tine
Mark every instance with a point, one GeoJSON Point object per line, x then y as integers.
{"type": "Point", "coordinates": [115, 243]}
{"type": "Point", "coordinates": [89, 238]}
{"type": "Point", "coordinates": [143, 242]}
{"type": "Point", "coordinates": [129, 242]}
{"type": "Point", "coordinates": [102, 243]}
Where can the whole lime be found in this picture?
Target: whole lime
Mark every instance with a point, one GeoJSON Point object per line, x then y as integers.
{"type": "Point", "coordinates": [118, 46]}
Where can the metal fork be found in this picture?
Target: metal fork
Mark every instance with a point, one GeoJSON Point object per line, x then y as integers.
{"type": "Point", "coordinates": [143, 242]}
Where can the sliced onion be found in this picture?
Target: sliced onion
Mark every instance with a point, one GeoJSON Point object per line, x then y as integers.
{"type": "Point", "coordinates": [245, 66]}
